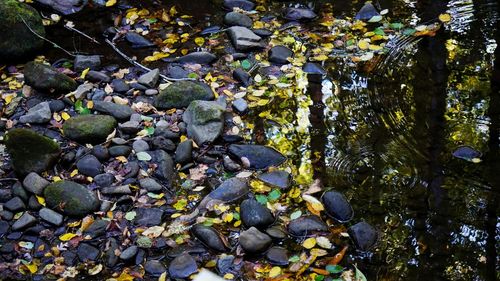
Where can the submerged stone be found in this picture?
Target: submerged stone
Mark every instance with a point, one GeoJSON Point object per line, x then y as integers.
{"type": "Point", "coordinates": [229, 191]}
{"type": "Point", "coordinates": [182, 266]}
{"type": "Point", "coordinates": [244, 39]}
{"type": "Point", "coordinates": [242, 4]}
{"type": "Point", "coordinates": [209, 237]}
{"type": "Point", "coordinates": [299, 14]}
{"type": "Point", "coordinates": [281, 179]}
{"type": "Point", "coordinates": [364, 235]}
{"type": "Point", "coordinates": [180, 94]}
{"type": "Point", "coordinates": [70, 198]}
{"type": "Point", "coordinates": [306, 226]}
{"type": "Point", "coordinates": [254, 241]}
{"type": "Point", "coordinates": [255, 214]}
{"type": "Point", "coordinates": [237, 19]}
{"type": "Point", "coordinates": [197, 57]}
{"type": "Point", "coordinates": [337, 206]}
{"type": "Point", "coordinates": [259, 157]}
{"type": "Point", "coordinates": [91, 129]}
{"type": "Point", "coordinates": [367, 12]}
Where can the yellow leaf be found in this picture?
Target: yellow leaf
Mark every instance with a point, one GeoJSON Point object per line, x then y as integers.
{"type": "Point", "coordinates": [67, 236]}
{"type": "Point", "coordinates": [31, 267]}
{"type": "Point", "coordinates": [65, 116]}
{"type": "Point", "coordinates": [315, 203]}
{"type": "Point", "coordinates": [199, 41]}
{"type": "Point", "coordinates": [110, 3]}
{"type": "Point", "coordinates": [321, 57]}
{"type": "Point", "coordinates": [309, 243]}
{"type": "Point", "coordinates": [445, 17]}
{"type": "Point", "coordinates": [122, 159]}
{"type": "Point", "coordinates": [274, 272]}
{"type": "Point", "coordinates": [56, 178]}
{"type": "Point", "coordinates": [156, 56]}
{"type": "Point", "coordinates": [84, 73]}
{"type": "Point", "coordinates": [40, 200]}
{"type": "Point", "coordinates": [125, 276]}
{"type": "Point", "coordinates": [74, 224]}
{"type": "Point", "coordinates": [163, 276]}
{"type": "Point", "coordinates": [363, 44]}
{"type": "Point", "coordinates": [74, 173]}
{"type": "Point", "coordinates": [375, 47]}
{"type": "Point", "coordinates": [56, 116]}
{"type": "Point", "coordinates": [8, 98]}
{"type": "Point", "coordinates": [228, 217]}
{"type": "Point", "coordinates": [95, 270]}
{"type": "Point", "coordinates": [90, 104]}
{"type": "Point", "coordinates": [228, 276]}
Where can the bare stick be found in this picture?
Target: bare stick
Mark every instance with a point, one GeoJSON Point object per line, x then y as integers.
{"type": "Point", "coordinates": [45, 39]}
{"type": "Point", "coordinates": [81, 33]}
{"type": "Point", "coordinates": [130, 60]}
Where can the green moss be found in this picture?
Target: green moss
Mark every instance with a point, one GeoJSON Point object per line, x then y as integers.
{"type": "Point", "coordinates": [89, 128]}
{"type": "Point", "coordinates": [46, 78]}
{"type": "Point", "coordinates": [71, 198]}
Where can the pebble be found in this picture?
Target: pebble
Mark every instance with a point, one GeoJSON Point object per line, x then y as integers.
{"type": "Point", "coordinates": [150, 79]}
{"type": "Point", "coordinates": [154, 268]}
{"type": "Point", "coordinates": [306, 226]}
{"type": "Point", "coordinates": [277, 256]}
{"type": "Point", "coordinates": [100, 152]}
{"type": "Point", "coordinates": [26, 220]}
{"type": "Point", "coordinates": [38, 114]}
{"type": "Point", "coordinates": [89, 165]}
{"type": "Point", "coordinates": [337, 206]}
{"type": "Point", "coordinates": [51, 216]}
{"type": "Point", "coordinates": [364, 235]}
{"type": "Point", "coordinates": [280, 54]}
{"type": "Point", "coordinates": [120, 150]}
{"type": "Point", "coordinates": [209, 237]}
{"type": "Point", "coordinates": [104, 180]}
{"type": "Point", "coordinates": [182, 266]}
{"type": "Point", "coordinates": [129, 253]}
{"type": "Point", "coordinates": [86, 252]}
{"type": "Point", "coordinates": [148, 216]}
{"type": "Point", "coordinates": [255, 214]}
{"type": "Point", "coordinates": [83, 62]}
{"type": "Point", "coordinates": [184, 151]}
{"type": "Point", "coordinates": [140, 146]}
{"type": "Point", "coordinates": [150, 185]}
{"type": "Point", "coordinates": [15, 205]}
{"type": "Point", "coordinates": [151, 92]}
{"type": "Point", "coordinates": [254, 241]}
{"type": "Point", "coordinates": [97, 76]}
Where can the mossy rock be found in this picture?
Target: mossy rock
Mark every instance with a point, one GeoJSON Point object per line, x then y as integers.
{"type": "Point", "coordinates": [180, 94]}
{"type": "Point", "coordinates": [47, 79]}
{"type": "Point", "coordinates": [205, 121]}
{"type": "Point", "coordinates": [31, 152]}
{"type": "Point", "coordinates": [91, 129]}
{"type": "Point", "coordinates": [18, 41]}
{"type": "Point", "coordinates": [70, 198]}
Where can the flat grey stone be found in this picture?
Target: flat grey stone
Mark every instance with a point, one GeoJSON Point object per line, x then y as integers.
{"type": "Point", "coordinates": [51, 216]}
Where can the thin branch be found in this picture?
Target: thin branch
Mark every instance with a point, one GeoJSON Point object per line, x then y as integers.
{"type": "Point", "coordinates": [130, 60]}
{"type": "Point", "coordinates": [81, 33]}
{"type": "Point", "coordinates": [45, 39]}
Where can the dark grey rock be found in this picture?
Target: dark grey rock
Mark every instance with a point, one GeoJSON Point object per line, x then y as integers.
{"type": "Point", "coordinates": [120, 150]}
{"type": "Point", "coordinates": [183, 153]}
{"type": "Point", "coordinates": [150, 79]}
{"type": "Point", "coordinates": [35, 183]}
{"type": "Point", "coordinates": [313, 68]}
{"type": "Point", "coordinates": [165, 165]}
{"type": "Point", "coordinates": [306, 226]}
{"type": "Point", "coordinates": [244, 39]}
{"type": "Point", "coordinates": [47, 79]}
{"type": "Point", "coordinates": [56, 105]}
{"type": "Point", "coordinates": [15, 205]}
{"type": "Point", "coordinates": [197, 57]}
{"type": "Point", "coordinates": [242, 4]}
{"type": "Point", "coordinates": [337, 206]}
{"type": "Point", "coordinates": [277, 256]}
{"type": "Point", "coordinates": [154, 268]}
{"type": "Point", "coordinates": [140, 145]}
{"type": "Point", "coordinates": [98, 77]}
{"type": "Point", "coordinates": [100, 152]}
{"type": "Point", "coordinates": [364, 235]}
{"type": "Point", "coordinates": [89, 165]}
{"type": "Point", "coordinates": [33, 203]}
{"type": "Point", "coordinates": [70, 198]}
{"type": "Point", "coordinates": [161, 142]}
{"type": "Point", "coordinates": [51, 216]}
{"type": "Point", "coordinates": [26, 220]}
{"type": "Point", "coordinates": [205, 121]}
{"type": "Point", "coordinates": [148, 216]}
{"type": "Point", "coordinates": [242, 76]}
{"type": "Point", "coordinates": [104, 180]}
{"type": "Point", "coordinates": [87, 252]}
{"type": "Point", "coordinates": [65, 7]}
{"type": "Point", "coordinates": [225, 263]}
{"type": "Point", "coordinates": [83, 90]}
{"type": "Point", "coordinates": [280, 54]}
{"type": "Point", "coordinates": [262, 32]}
{"type": "Point", "coordinates": [281, 179]}
{"type": "Point", "coordinates": [209, 237]}
{"type": "Point", "coordinates": [82, 62]}
{"type": "Point", "coordinates": [151, 92]}
{"type": "Point", "coordinates": [97, 228]}
{"type": "Point", "coordinates": [120, 112]}
{"type": "Point", "coordinates": [129, 253]}
{"type": "Point", "coordinates": [19, 191]}
{"type": "Point", "coordinates": [182, 266]}
{"type": "Point", "coordinates": [180, 94]}
{"type": "Point", "coordinates": [116, 190]}
{"type": "Point", "coordinates": [260, 157]}
{"type": "Point", "coordinates": [237, 19]}
{"type": "Point", "coordinates": [150, 185]}
{"type": "Point", "coordinates": [240, 106]}
{"type": "Point", "coordinates": [138, 41]}
{"type": "Point", "coordinates": [298, 14]}
{"type": "Point", "coordinates": [38, 114]}
{"type": "Point", "coordinates": [91, 129]}
{"type": "Point", "coordinates": [255, 214]}
{"type": "Point", "coordinates": [367, 12]}
{"type": "Point", "coordinates": [130, 127]}
{"type": "Point", "coordinates": [119, 86]}
{"type": "Point", "coordinates": [228, 191]}
{"type": "Point", "coordinates": [230, 165]}
{"type": "Point", "coordinates": [110, 258]}
{"type": "Point", "coordinates": [254, 241]}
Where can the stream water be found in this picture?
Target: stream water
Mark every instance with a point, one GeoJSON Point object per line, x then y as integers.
{"type": "Point", "coordinates": [386, 138]}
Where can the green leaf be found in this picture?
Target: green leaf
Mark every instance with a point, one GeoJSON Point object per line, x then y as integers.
{"type": "Point", "coordinates": [274, 195]}
{"type": "Point", "coordinates": [359, 275]}
{"type": "Point", "coordinates": [150, 131]}
{"type": "Point", "coordinates": [246, 65]}
{"type": "Point", "coordinates": [236, 216]}
{"type": "Point", "coordinates": [146, 118]}
{"type": "Point", "coordinates": [334, 269]}
{"type": "Point", "coordinates": [192, 75]}
{"type": "Point", "coordinates": [143, 156]}
{"type": "Point", "coordinates": [375, 19]}
{"type": "Point", "coordinates": [396, 25]}
{"type": "Point", "coordinates": [261, 199]}
{"type": "Point", "coordinates": [319, 278]}
{"type": "Point", "coordinates": [295, 215]}
{"type": "Point", "coordinates": [409, 31]}
{"type": "Point", "coordinates": [130, 215]}
{"type": "Point", "coordinates": [294, 258]}
{"type": "Point", "coordinates": [379, 31]}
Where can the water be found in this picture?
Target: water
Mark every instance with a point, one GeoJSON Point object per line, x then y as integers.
{"type": "Point", "coordinates": [386, 138]}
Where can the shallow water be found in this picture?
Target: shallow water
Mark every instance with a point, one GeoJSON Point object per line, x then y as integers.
{"type": "Point", "coordinates": [386, 139]}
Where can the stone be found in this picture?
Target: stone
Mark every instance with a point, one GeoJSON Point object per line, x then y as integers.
{"type": "Point", "coordinates": [91, 129]}
{"type": "Point", "coordinates": [337, 206]}
{"type": "Point", "coordinates": [151, 92]}
{"type": "Point", "coordinates": [18, 42]}
{"type": "Point", "coordinates": [228, 191]}
{"type": "Point", "coordinates": [240, 106]}
{"type": "Point", "coordinates": [184, 151]}
{"type": "Point", "coordinates": [70, 198]}
{"type": "Point", "coordinates": [65, 7]}
{"type": "Point", "coordinates": [225, 263]}
{"type": "Point", "coordinates": [56, 105]}
{"type": "Point", "coordinates": [138, 41]}
{"type": "Point", "coordinates": [119, 86]}
{"type": "Point", "coordinates": [313, 68]}
{"type": "Point", "coordinates": [364, 235]}
{"type": "Point", "coordinates": [97, 77]}
{"type": "Point", "coordinates": [244, 39]}
{"type": "Point", "coordinates": [237, 19]}
{"type": "Point", "coordinates": [259, 157]}
{"type": "Point", "coordinates": [140, 146]}
{"type": "Point", "coordinates": [277, 256]}
{"type": "Point", "coordinates": [154, 268]}
{"type": "Point", "coordinates": [119, 111]}
{"type": "Point", "coordinates": [148, 216]}
{"type": "Point", "coordinates": [180, 94]}
{"type": "Point", "coordinates": [205, 121]}
{"type": "Point", "coordinates": [209, 237]}
{"type": "Point", "coordinates": [150, 185]}
{"type": "Point", "coordinates": [280, 55]}
{"type": "Point", "coordinates": [38, 114]}
{"type": "Point", "coordinates": [97, 228]}
{"type": "Point", "coordinates": [110, 258]}
{"type": "Point", "coordinates": [277, 178]}
{"type": "Point", "coordinates": [242, 76]}
{"type": "Point", "coordinates": [35, 183]}
{"type": "Point", "coordinates": [242, 4]}
{"type": "Point", "coordinates": [51, 216]}
{"type": "Point", "coordinates": [47, 79]}
{"type": "Point", "coordinates": [104, 180]}
{"type": "Point", "coordinates": [129, 253]}
{"type": "Point", "coordinates": [87, 252]}
{"type": "Point", "coordinates": [116, 190]}
{"type": "Point", "coordinates": [230, 165]}
{"type": "Point", "coordinates": [263, 32]}
{"type": "Point", "coordinates": [150, 79]}
{"type": "Point", "coordinates": [197, 57]}
{"type": "Point", "coordinates": [367, 12]}
{"type": "Point", "coordinates": [255, 214]}
{"type": "Point", "coordinates": [130, 127]}
{"type": "Point", "coordinates": [31, 152]}
{"type": "Point", "coordinates": [100, 152]}
{"type": "Point", "coordinates": [165, 165]}
{"type": "Point", "coordinates": [15, 205]}
{"type": "Point", "coordinates": [306, 226]}
{"type": "Point", "coordinates": [26, 220]}
{"type": "Point", "coordinates": [182, 266]}
{"type": "Point", "coordinates": [253, 241]}
{"type": "Point", "coordinates": [298, 14]}
{"type": "Point", "coordinates": [83, 62]}
{"type": "Point", "coordinates": [120, 150]}
{"type": "Point", "coordinates": [89, 165]}
{"type": "Point", "coordinates": [161, 142]}
{"type": "Point", "coordinates": [83, 90]}
{"type": "Point", "coordinates": [19, 191]}
{"type": "Point", "coordinates": [33, 203]}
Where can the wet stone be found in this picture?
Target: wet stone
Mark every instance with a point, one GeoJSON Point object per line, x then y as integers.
{"type": "Point", "coordinates": [280, 54]}
{"type": "Point", "coordinates": [35, 183]}
{"type": "Point", "coordinates": [38, 114]}
{"type": "Point", "coordinates": [120, 112]}
{"type": "Point", "coordinates": [237, 19]}
{"type": "Point", "coordinates": [183, 153]}
{"type": "Point", "coordinates": [150, 79]}
{"type": "Point", "coordinates": [306, 226]}
{"type": "Point", "coordinates": [254, 241]}
{"type": "Point", "coordinates": [164, 143]}
{"type": "Point", "coordinates": [154, 268]}
{"type": "Point", "coordinates": [262, 32]}
{"type": "Point", "coordinates": [4, 228]}
{"type": "Point", "coordinates": [26, 220]}
{"type": "Point", "coordinates": [209, 237]}
{"type": "Point", "coordinates": [33, 203]}
{"type": "Point", "coordinates": [47, 79]}
{"type": "Point", "coordinates": [138, 41]}
{"type": "Point", "coordinates": [151, 92]}
{"type": "Point", "coordinates": [77, 200]}
{"type": "Point", "coordinates": [204, 121]}
{"type": "Point", "coordinates": [277, 256]}
{"type": "Point", "coordinates": [116, 190]}
{"type": "Point", "coordinates": [140, 145]}
{"type": "Point", "coordinates": [100, 152]}
{"type": "Point", "coordinates": [110, 258]}
{"type": "Point", "coordinates": [255, 214]}
{"type": "Point", "coordinates": [150, 185]}
{"type": "Point", "coordinates": [56, 105]}
{"type": "Point", "coordinates": [244, 39]}
{"type": "Point", "coordinates": [242, 4]}
{"type": "Point", "coordinates": [15, 205]}
{"type": "Point", "coordinates": [119, 86]}
{"type": "Point", "coordinates": [18, 190]}
{"type": "Point", "coordinates": [198, 57]}
{"type": "Point", "coordinates": [182, 266]}
{"type": "Point", "coordinates": [97, 76]}
{"type": "Point", "coordinates": [148, 216]}
{"type": "Point", "coordinates": [130, 127]}
{"type": "Point", "coordinates": [225, 263]}
{"type": "Point", "coordinates": [91, 129]}
{"type": "Point", "coordinates": [180, 94]}
{"type": "Point", "coordinates": [129, 253]}
{"type": "Point", "coordinates": [120, 150]}
{"type": "Point", "coordinates": [299, 14]}
{"type": "Point", "coordinates": [228, 191]}
{"type": "Point", "coordinates": [260, 157]}
{"type": "Point", "coordinates": [104, 180]}
{"type": "Point", "coordinates": [87, 252]}
{"type": "Point", "coordinates": [89, 166]}
{"type": "Point", "coordinates": [97, 228]}
{"type": "Point", "coordinates": [82, 62]}
{"type": "Point", "coordinates": [367, 12]}
{"type": "Point", "coordinates": [281, 179]}
{"type": "Point", "coordinates": [337, 206]}
{"type": "Point", "coordinates": [364, 235]}
{"type": "Point", "coordinates": [51, 216]}
{"type": "Point", "coordinates": [242, 76]}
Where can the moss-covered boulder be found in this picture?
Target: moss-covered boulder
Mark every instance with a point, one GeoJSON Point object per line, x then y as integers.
{"type": "Point", "coordinates": [18, 41]}
{"type": "Point", "coordinates": [91, 129]}
{"type": "Point", "coordinates": [70, 198]}
{"type": "Point", "coordinates": [181, 94]}
{"type": "Point", "coordinates": [31, 152]}
{"type": "Point", "coordinates": [47, 79]}
{"type": "Point", "coordinates": [205, 121]}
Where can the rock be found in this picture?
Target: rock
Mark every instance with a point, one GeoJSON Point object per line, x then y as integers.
{"type": "Point", "coordinates": [35, 183]}
{"type": "Point", "coordinates": [254, 241]}
{"type": "Point", "coordinates": [150, 79]}
{"type": "Point", "coordinates": [19, 191]}
{"type": "Point", "coordinates": [277, 256]}
{"type": "Point", "coordinates": [120, 150]}
{"type": "Point", "coordinates": [116, 190]}
{"type": "Point", "coordinates": [161, 142]}
{"type": "Point", "coordinates": [225, 263]}
{"type": "Point", "coordinates": [138, 41]}
{"type": "Point", "coordinates": [230, 190]}
{"type": "Point", "coordinates": [280, 55]}
{"type": "Point", "coordinates": [240, 106]}
{"type": "Point", "coordinates": [65, 7]}
{"type": "Point", "coordinates": [70, 198]}
{"type": "Point", "coordinates": [466, 153]}
{"type": "Point", "coordinates": [151, 92]}
{"type": "Point", "coordinates": [154, 268]}
{"type": "Point", "coordinates": [276, 232]}
{"type": "Point", "coordinates": [15, 205]}
{"type": "Point", "coordinates": [97, 228]}
{"type": "Point", "coordinates": [367, 12]}
{"type": "Point", "coordinates": [242, 4]}
{"type": "Point", "coordinates": [33, 203]}
{"type": "Point", "coordinates": [110, 258]}
{"type": "Point", "coordinates": [47, 79]}
{"type": "Point", "coordinates": [298, 14]}
{"type": "Point", "coordinates": [119, 86]}
{"type": "Point", "coordinates": [306, 226]}
{"type": "Point", "coordinates": [211, 30]}
{"type": "Point", "coordinates": [255, 214]}
{"type": "Point", "coordinates": [83, 90]}
{"type": "Point", "coordinates": [148, 216]}
{"type": "Point", "coordinates": [38, 114]}
{"type": "Point", "coordinates": [209, 237]}
{"type": "Point", "coordinates": [180, 94]}
{"type": "Point", "coordinates": [150, 185]}
{"type": "Point", "coordinates": [337, 206]}
{"type": "Point", "coordinates": [129, 253]}
{"type": "Point", "coordinates": [104, 180]}
{"type": "Point", "coordinates": [165, 165]}
{"type": "Point", "coordinates": [82, 62]}
{"type": "Point", "coordinates": [51, 216]}
{"type": "Point", "coordinates": [4, 228]}
{"type": "Point", "coordinates": [242, 76]}
{"type": "Point", "coordinates": [100, 152]}
{"type": "Point", "coordinates": [91, 129]}
{"type": "Point", "coordinates": [183, 153]}
{"type": "Point", "coordinates": [120, 112]}
{"type": "Point", "coordinates": [281, 179]}
{"type": "Point", "coordinates": [182, 266]}
{"type": "Point", "coordinates": [364, 235]}
{"type": "Point", "coordinates": [140, 146]}
{"type": "Point", "coordinates": [98, 77]}
{"type": "Point", "coordinates": [262, 32]}
{"type": "Point", "coordinates": [205, 121]}
{"type": "Point", "coordinates": [89, 166]}
{"type": "Point", "coordinates": [18, 42]}
{"type": "Point", "coordinates": [130, 127]}
{"type": "Point", "coordinates": [31, 152]}
{"type": "Point", "coordinates": [197, 57]}
{"type": "Point", "coordinates": [237, 19]}
{"type": "Point", "coordinates": [87, 252]}
{"type": "Point", "coordinates": [56, 105]}
{"type": "Point", "coordinates": [313, 68]}
{"type": "Point", "coordinates": [244, 39]}
{"type": "Point", "coordinates": [230, 165]}
{"type": "Point", "coordinates": [26, 220]}
{"type": "Point", "coordinates": [260, 157]}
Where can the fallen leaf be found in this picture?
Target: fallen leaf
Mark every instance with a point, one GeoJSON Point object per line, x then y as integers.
{"type": "Point", "coordinates": [67, 236]}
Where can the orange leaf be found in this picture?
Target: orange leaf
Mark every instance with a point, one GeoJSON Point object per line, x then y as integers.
{"type": "Point", "coordinates": [320, 271]}
{"type": "Point", "coordinates": [339, 256]}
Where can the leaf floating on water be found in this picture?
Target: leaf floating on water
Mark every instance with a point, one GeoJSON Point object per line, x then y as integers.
{"type": "Point", "coordinates": [375, 19]}
{"type": "Point", "coordinates": [334, 269]}
{"type": "Point", "coordinates": [274, 272]}
{"type": "Point", "coordinates": [199, 41]}
{"type": "Point", "coordinates": [67, 236]}
{"type": "Point", "coordinates": [110, 3]}
{"type": "Point", "coordinates": [309, 243]}
{"type": "Point", "coordinates": [359, 275]}
{"type": "Point", "coordinates": [445, 18]}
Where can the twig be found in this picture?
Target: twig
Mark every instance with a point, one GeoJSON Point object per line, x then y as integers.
{"type": "Point", "coordinates": [45, 39]}
{"type": "Point", "coordinates": [130, 60]}
{"type": "Point", "coordinates": [81, 33]}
